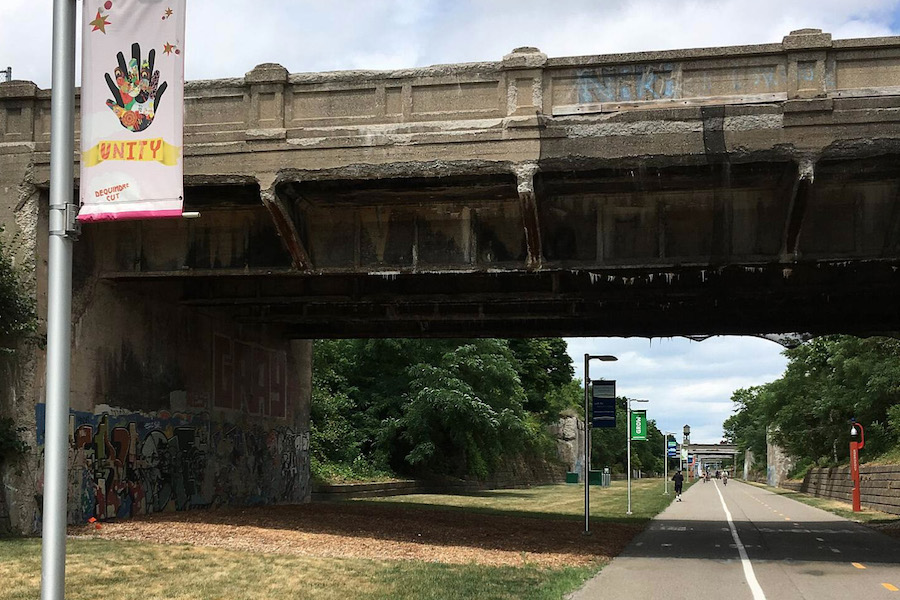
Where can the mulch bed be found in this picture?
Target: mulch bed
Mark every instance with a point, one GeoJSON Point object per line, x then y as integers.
{"type": "Point", "coordinates": [355, 530]}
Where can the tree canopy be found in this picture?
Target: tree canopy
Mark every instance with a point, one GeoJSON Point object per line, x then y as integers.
{"type": "Point", "coordinates": [828, 381]}
{"type": "Point", "coordinates": [449, 407]}
{"type": "Point", "coordinates": [446, 407]}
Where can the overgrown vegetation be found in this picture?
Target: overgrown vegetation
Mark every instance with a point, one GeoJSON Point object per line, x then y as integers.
{"type": "Point", "coordinates": [11, 444]}
{"type": "Point", "coordinates": [431, 407]}
{"type": "Point", "coordinates": [17, 314]}
{"type": "Point", "coordinates": [828, 381]}
{"type": "Point", "coordinates": [444, 407]}
{"type": "Point", "coordinates": [17, 317]}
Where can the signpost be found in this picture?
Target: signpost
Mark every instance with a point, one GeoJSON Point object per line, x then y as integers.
{"type": "Point", "coordinates": [637, 426]}
{"type": "Point", "coordinates": [855, 447]}
{"type": "Point", "coordinates": [671, 452]}
{"type": "Point", "coordinates": [587, 434]}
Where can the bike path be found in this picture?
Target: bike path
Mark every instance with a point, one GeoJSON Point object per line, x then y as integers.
{"type": "Point", "coordinates": [774, 548]}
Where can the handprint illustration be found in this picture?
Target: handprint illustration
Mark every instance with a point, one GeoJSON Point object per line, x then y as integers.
{"type": "Point", "coordinates": [136, 90]}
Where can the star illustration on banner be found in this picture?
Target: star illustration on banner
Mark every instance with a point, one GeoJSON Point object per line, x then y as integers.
{"type": "Point", "coordinates": [168, 12]}
{"type": "Point", "coordinates": [100, 23]}
{"type": "Point", "coordinates": [167, 48]}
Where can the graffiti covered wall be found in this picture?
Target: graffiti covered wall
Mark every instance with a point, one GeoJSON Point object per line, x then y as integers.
{"type": "Point", "coordinates": [129, 464]}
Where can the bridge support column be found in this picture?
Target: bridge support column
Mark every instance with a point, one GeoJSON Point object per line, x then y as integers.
{"type": "Point", "coordinates": [284, 223]}
{"type": "Point", "coordinates": [530, 220]}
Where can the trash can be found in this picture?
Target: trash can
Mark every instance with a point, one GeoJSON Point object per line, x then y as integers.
{"type": "Point", "coordinates": [595, 478]}
{"type": "Point", "coordinates": [572, 477]}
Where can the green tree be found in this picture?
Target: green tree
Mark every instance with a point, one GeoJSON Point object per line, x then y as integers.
{"type": "Point", "coordinates": [449, 407]}
{"type": "Point", "coordinates": [827, 382]}
{"type": "Point", "coordinates": [609, 446]}
{"type": "Point", "coordinates": [545, 371]}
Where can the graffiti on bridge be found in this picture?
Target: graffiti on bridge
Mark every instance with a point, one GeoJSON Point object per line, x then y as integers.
{"type": "Point", "coordinates": [124, 465]}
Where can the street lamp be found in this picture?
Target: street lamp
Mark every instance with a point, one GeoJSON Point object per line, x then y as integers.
{"type": "Point", "coordinates": [587, 435]}
{"type": "Point", "coordinates": [628, 402]}
{"type": "Point", "coordinates": [684, 445]}
{"type": "Point", "coordinates": [666, 459]}
{"type": "Point", "coordinates": [855, 446]}
{"type": "Point", "coordinates": [8, 72]}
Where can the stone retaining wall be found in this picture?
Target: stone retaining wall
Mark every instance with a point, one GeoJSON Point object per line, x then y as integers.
{"type": "Point", "coordinates": [879, 485]}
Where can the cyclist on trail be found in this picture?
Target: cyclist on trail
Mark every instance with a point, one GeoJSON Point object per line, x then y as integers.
{"type": "Point", "coordinates": [725, 478]}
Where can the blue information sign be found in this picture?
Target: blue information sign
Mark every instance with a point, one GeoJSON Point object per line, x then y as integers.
{"type": "Point", "coordinates": [603, 403]}
{"type": "Point", "coordinates": [672, 448]}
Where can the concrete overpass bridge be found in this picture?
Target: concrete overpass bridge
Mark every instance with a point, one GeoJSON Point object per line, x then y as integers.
{"type": "Point", "coordinates": [726, 190]}
{"type": "Point", "coordinates": [747, 189]}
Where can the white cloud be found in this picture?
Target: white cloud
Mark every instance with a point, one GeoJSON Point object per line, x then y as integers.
{"type": "Point", "coordinates": [686, 382]}
{"type": "Point", "coordinates": [226, 38]}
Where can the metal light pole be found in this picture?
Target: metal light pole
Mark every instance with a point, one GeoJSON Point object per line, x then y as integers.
{"type": "Point", "coordinates": [628, 402]}
{"type": "Point", "coordinates": [684, 446]}
{"type": "Point", "coordinates": [587, 435]}
{"type": "Point", "coordinates": [666, 460]}
{"type": "Point", "coordinates": [855, 447]}
{"type": "Point", "coordinates": [59, 301]}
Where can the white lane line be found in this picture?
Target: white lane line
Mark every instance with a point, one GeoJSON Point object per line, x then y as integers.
{"type": "Point", "coordinates": [749, 575]}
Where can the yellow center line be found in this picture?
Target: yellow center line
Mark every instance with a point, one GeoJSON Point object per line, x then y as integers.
{"type": "Point", "coordinates": [892, 588]}
{"type": "Point", "coordinates": [787, 518]}
{"type": "Point", "coordinates": [858, 566]}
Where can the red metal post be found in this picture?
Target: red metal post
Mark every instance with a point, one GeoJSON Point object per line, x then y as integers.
{"type": "Point", "coordinates": [855, 447]}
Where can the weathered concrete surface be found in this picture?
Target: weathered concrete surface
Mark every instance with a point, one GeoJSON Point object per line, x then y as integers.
{"type": "Point", "coordinates": [778, 462]}
{"type": "Point", "coordinates": [724, 190]}
{"type": "Point", "coordinates": [569, 432]}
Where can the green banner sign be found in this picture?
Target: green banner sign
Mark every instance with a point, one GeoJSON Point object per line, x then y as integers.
{"type": "Point", "coordinates": [639, 425]}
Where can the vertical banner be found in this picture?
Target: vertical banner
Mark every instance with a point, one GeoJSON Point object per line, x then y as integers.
{"type": "Point", "coordinates": [132, 109]}
{"type": "Point", "coordinates": [638, 425]}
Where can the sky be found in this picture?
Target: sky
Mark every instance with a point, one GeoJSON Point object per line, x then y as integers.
{"type": "Point", "coordinates": [687, 382]}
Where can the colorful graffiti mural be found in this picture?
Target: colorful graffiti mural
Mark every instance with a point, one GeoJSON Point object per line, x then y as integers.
{"type": "Point", "coordinates": [123, 465]}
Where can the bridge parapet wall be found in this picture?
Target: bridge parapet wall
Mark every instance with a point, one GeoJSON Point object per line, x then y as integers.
{"type": "Point", "coordinates": [502, 101]}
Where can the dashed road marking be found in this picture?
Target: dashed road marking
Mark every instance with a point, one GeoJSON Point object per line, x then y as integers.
{"type": "Point", "coordinates": [835, 550]}
{"type": "Point", "coordinates": [890, 587]}
{"type": "Point", "coordinates": [858, 566]}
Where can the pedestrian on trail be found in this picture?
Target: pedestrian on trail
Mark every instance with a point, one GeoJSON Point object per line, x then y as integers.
{"type": "Point", "coordinates": [678, 478]}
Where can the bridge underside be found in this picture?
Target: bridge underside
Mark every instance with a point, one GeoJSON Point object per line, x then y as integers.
{"type": "Point", "coordinates": [473, 250]}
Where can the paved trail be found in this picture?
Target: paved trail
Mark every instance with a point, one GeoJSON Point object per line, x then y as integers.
{"type": "Point", "coordinates": [740, 542]}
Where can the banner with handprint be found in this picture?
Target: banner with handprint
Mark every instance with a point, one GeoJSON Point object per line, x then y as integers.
{"type": "Point", "coordinates": [132, 109]}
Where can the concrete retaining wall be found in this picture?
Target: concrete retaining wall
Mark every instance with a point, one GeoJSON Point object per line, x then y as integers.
{"type": "Point", "coordinates": [879, 486]}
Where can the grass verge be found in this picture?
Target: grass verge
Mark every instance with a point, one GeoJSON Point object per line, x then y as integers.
{"type": "Point", "coordinates": [552, 501]}
{"type": "Point", "coordinates": [113, 568]}
{"type": "Point", "coordinates": [841, 509]}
